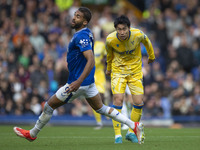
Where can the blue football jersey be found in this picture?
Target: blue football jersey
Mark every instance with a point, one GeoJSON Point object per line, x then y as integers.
{"type": "Point", "coordinates": [80, 42]}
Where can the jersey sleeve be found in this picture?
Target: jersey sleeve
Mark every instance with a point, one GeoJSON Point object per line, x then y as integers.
{"type": "Point", "coordinates": [148, 45]}
{"type": "Point", "coordinates": [109, 54]}
{"type": "Point", "coordinates": [83, 42]}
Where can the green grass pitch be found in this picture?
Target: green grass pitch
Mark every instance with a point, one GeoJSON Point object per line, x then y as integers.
{"type": "Point", "coordinates": [85, 138]}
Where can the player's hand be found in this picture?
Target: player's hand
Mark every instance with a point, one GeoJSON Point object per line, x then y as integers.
{"type": "Point", "coordinates": [151, 60]}
{"type": "Point", "coordinates": [74, 86]}
{"type": "Point", "coordinates": [108, 72]}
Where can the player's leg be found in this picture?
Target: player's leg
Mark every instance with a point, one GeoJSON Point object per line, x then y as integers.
{"type": "Point", "coordinates": [42, 120]}
{"type": "Point", "coordinates": [136, 88]}
{"type": "Point", "coordinates": [98, 116]}
{"type": "Point", "coordinates": [100, 82]}
{"type": "Point", "coordinates": [117, 104]}
{"type": "Point", "coordinates": [118, 86]}
{"type": "Point", "coordinates": [126, 104]}
{"type": "Point", "coordinates": [125, 113]}
{"type": "Point", "coordinates": [96, 103]}
{"type": "Point", "coordinates": [46, 115]}
{"type": "Point", "coordinates": [136, 112]}
{"type": "Point", "coordinates": [58, 99]}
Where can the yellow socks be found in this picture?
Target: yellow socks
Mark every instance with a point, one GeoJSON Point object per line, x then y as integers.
{"type": "Point", "coordinates": [136, 113]}
{"type": "Point", "coordinates": [97, 117]}
{"type": "Point", "coordinates": [116, 124]}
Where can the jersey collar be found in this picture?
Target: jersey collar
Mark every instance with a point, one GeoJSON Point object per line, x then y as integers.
{"type": "Point", "coordinates": [81, 30]}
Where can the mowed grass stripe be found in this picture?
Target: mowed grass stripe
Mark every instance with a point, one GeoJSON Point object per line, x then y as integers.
{"type": "Point", "coordinates": [85, 138]}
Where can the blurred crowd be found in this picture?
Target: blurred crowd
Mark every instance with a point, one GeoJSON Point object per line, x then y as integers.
{"type": "Point", "coordinates": [34, 35]}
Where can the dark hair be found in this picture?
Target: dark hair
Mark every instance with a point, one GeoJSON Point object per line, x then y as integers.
{"type": "Point", "coordinates": [122, 20]}
{"type": "Point", "coordinates": [86, 13]}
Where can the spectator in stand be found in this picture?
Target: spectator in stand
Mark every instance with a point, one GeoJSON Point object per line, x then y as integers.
{"type": "Point", "coordinates": [36, 39]}
{"type": "Point", "coordinates": [184, 53]}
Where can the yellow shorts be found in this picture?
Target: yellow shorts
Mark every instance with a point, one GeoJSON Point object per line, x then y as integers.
{"type": "Point", "coordinates": [100, 80]}
{"type": "Point", "coordinates": [134, 82]}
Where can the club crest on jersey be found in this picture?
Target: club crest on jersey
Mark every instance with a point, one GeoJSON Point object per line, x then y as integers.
{"type": "Point", "coordinates": [84, 42]}
{"type": "Point", "coordinates": [117, 45]}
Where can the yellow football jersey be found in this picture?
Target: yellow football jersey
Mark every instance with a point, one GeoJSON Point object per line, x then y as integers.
{"type": "Point", "coordinates": [125, 56]}
{"type": "Point", "coordinates": [99, 53]}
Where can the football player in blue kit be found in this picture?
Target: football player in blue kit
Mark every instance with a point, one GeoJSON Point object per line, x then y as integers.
{"type": "Point", "coordinates": [81, 65]}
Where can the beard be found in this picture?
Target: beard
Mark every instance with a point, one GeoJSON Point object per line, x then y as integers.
{"type": "Point", "coordinates": [76, 25]}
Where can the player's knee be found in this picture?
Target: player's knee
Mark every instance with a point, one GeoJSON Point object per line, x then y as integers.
{"type": "Point", "coordinates": [118, 101]}
{"type": "Point", "coordinates": [138, 100]}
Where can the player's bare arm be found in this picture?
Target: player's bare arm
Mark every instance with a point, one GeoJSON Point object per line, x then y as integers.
{"type": "Point", "coordinates": [89, 65]}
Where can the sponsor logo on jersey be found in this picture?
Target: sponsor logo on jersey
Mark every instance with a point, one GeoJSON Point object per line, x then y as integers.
{"type": "Point", "coordinates": [84, 42]}
{"type": "Point", "coordinates": [125, 52]}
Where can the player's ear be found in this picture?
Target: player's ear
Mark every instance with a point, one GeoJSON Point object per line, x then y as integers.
{"type": "Point", "coordinates": [85, 23]}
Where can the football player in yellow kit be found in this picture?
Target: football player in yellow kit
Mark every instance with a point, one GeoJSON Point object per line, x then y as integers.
{"type": "Point", "coordinates": [124, 64]}
{"type": "Point", "coordinates": [99, 76]}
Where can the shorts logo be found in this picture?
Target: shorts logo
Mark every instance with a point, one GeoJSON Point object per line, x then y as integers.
{"type": "Point", "coordinates": [65, 93]}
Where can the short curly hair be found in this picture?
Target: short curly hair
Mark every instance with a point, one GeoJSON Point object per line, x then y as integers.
{"type": "Point", "coordinates": [86, 13]}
